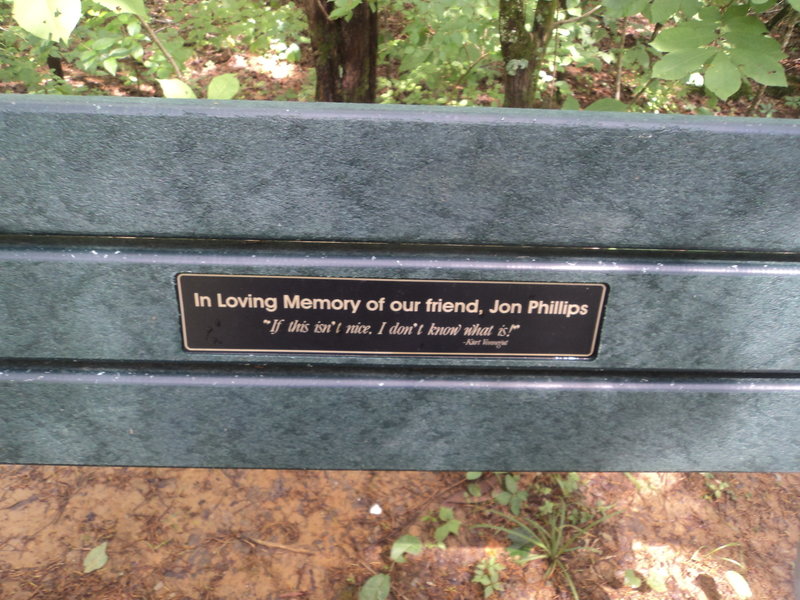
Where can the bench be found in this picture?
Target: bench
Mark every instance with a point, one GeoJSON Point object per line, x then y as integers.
{"type": "Point", "coordinates": [193, 283]}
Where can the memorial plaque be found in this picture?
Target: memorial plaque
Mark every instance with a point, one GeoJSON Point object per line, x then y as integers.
{"type": "Point", "coordinates": [246, 313]}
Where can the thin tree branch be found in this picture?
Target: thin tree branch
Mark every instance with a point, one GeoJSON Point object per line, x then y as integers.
{"type": "Point", "coordinates": [642, 90]}
{"type": "Point", "coordinates": [161, 47]}
{"type": "Point", "coordinates": [579, 17]}
{"type": "Point", "coordinates": [541, 31]}
{"type": "Point", "coordinates": [273, 545]}
{"type": "Point", "coordinates": [323, 10]}
{"type": "Point", "coordinates": [787, 35]}
{"type": "Point", "coordinates": [469, 69]}
{"type": "Point", "coordinates": [620, 52]}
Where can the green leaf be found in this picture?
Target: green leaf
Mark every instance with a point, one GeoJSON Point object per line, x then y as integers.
{"type": "Point", "coordinates": [473, 475]}
{"type": "Point", "coordinates": [137, 52]}
{"type": "Point", "coordinates": [110, 65]}
{"type": "Point", "coordinates": [690, 7]}
{"type": "Point", "coordinates": [722, 77]}
{"type": "Point", "coordinates": [685, 36]}
{"type": "Point", "coordinates": [445, 513]}
{"type": "Point", "coordinates": [104, 43]}
{"type": "Point", "coordinates": [452, 526]}
{"type": "Point", "coordinates": [223, 87]}
{"type": "Point", "coordinates": [406, 544]}
{"type": "Point", "coordinates": [632, 580]}
{"type": "Point", "coordinates": [502, 497]}
{"type": "Point", "coordinates": [47, 19]}
{"type": "Point", "coordinates": [96, 559]}
{"type": "Point", "coordinates": [516, 504]}
{"type": "Point", "coordinates": [511, 483]}
{"type": "Point", "coordinates": [175, 88]}
{"type": "Point", "coordinates": [547, 507]}
{"type": "Point", "coordinates": [474, 490]}
{"type": "Point", "coordinates": [339, 12]}
{"type": "Point", "coordinates": [734, 12]}
{"type": "Point", "coordinates": [762, 8]}
{"type": "Point", "coordinates": [755, 43]}
{"type": "Point", "coordinates": [608, 105]}
{"type": "Point", "coordinates": [375, 588]}
{"type": "Point", "coordinates": [344, 9]}
{"type": "Point", "coordinates": [571, 103]}
{"type": "Point", "coordinates": [682, 63]}
{"type": "Point", "coordinates": [709, 14]}
{"type": "Point", "coordinates": [745, 25]}
{"type": "Point", "coordinates": [758, 56]}
{"type": "Point", "coordinates": [764, 69]}
{"type": "Point", "coordinates": [795, 4]}
{"type": "Point", "coordinates": [662, 10]}
{"type": "Point", "coordinates": [570, 483]}
{"type": "Point", "coordinates": [135, 7]}
{"type": "Point", "coordinates": [616, 9]}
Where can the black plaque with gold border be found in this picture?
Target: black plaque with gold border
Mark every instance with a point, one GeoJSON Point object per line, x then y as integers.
{"type": "Point", "coordinates": [250, 313]}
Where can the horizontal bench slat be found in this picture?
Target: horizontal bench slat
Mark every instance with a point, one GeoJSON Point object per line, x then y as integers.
{"type": "Point", "coordinates": [117, 300]}
{"type": "Point", "coordinates": [283, 171]}
{"type": "Point", "coordinates": [546, 423]}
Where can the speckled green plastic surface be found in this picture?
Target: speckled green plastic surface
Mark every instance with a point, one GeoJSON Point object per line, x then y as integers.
{"type": "Point", "coordinates": [691, 222]}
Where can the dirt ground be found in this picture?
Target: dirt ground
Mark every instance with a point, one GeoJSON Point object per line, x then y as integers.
{"type": "Point", "coordinates": [269, 535]}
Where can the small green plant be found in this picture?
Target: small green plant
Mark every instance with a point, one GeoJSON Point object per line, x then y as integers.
{"type": "Point", "coordinates": [487, 573]}
{"type": "Point", "coordinates": [450, 525]}
{"type": "Point", "coordinates": [550, 537]}
{"type": "Point", "coordinates": [512, 495]}
{"type": "Point", "coordinates": [568, 483]}
{"type": "Point", "coordinates": [473, 489]}
{"type": "Point", "coordinates": [717, 489]}
{"type": "Point", "coordinates": [379, 585]}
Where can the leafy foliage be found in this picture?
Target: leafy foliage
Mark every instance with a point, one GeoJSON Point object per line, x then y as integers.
{"type": "Point", "coordinates": [512, 495]}
{"type": "Point", "coordinates": [487, 573]}
{"type": "Point", "coordinates": [447, 53]}
{"type": "Point", "coordinates": [551, 537]}
{"type": "Point", "coordinates": [430, 51]}
{"type": "Point", "coordinates": [725, 46]}
{"type": "Point", "coordinates": [449, 525]}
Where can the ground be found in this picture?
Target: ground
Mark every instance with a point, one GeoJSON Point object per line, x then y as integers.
{"type": "Point", "coordinates": [269, 535]}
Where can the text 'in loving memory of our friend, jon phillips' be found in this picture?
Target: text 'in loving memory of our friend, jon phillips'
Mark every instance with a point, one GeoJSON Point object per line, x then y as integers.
{"type": "Point", "coordinates": [246, 313]}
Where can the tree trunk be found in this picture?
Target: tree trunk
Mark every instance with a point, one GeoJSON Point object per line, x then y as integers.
{"type": "Point", "coordinates": [345, 52]}
{"type": "Point", "coordinates": [541, 32]}
{"type": "Point", "coordinates": [517, 47]}
{"type": "Point", "coordinates": [55, 65]}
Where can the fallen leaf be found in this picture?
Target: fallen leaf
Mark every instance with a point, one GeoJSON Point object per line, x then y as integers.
{"type": "Point", "coordinates": [96, 559]}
